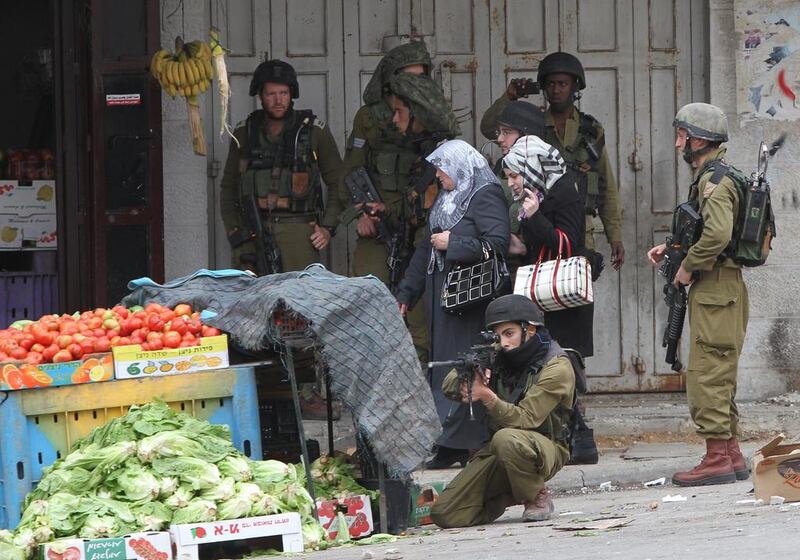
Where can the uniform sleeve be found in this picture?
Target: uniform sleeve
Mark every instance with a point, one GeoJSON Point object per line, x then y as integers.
{"type": "Point", "coordinates": [610, 213]}
{"type": "Point", "coordinates": [330, 166]}
{"type": "Point", "coordinates": [489, 120]}
{"type": "Point", "coordinates": [451, 387]}
{"type": "Point", "coordinates": [229, 186]}
{"type": "Point", "coordinates": [556, 385]}
{"type": "Point", "coordinates": [718, 212]}
{"type": "Point", "coordinates": [490, 212]}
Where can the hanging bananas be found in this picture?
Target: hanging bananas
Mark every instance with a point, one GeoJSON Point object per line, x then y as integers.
{"type": "Point", "coordinates": [187, 72]}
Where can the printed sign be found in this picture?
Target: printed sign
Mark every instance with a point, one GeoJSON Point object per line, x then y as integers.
{"type": "Point", "coordinates": [113, 99]}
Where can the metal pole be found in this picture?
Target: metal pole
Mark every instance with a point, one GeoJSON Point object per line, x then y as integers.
{"type": "Point", "coordinates": [300, 429]}
{"type": "Point", "coordinates": [382, 499]}
{"type": "Point", "coordinates": [329, 404]}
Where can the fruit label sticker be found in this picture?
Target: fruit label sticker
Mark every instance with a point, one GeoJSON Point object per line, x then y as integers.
{"type": "Point", "coordinates": [115, 99]}
{"type": "Point", "coordinates": [133, 362]}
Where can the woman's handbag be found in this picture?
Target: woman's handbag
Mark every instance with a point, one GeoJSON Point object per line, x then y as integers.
{"type": "Point", "coordinates": [470, 284]}
{"type": "Point", "coordinates": [557, 284]}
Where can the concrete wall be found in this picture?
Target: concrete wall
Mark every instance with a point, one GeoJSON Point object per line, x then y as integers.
{"type": "Point", "coordinates": [771, 359]}
{"type": "Point", "coordinates": [186, 203]}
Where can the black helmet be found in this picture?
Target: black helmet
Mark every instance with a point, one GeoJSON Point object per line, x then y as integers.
{"type": "Point", "coordinates": [513, 308]}
{"type": "Point", "coordinates": [523, 116]}
{"type": "Point", "coordinates": [275, 72]}
{"type": "Point", "coordinates": [561, 62]}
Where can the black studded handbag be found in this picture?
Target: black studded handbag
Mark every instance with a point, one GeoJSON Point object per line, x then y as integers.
{"type": "Point", "coordinates": [467, 285]}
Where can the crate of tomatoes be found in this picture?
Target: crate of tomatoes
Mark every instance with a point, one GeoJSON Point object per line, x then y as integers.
{"type": "Point", "coordinates": [70, 349]}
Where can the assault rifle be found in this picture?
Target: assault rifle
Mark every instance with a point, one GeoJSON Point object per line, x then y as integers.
{"type": "Point", "coordinates": [267, 257]}
{"type": "Point", "coordinates": [687, 230]}
{"type": "Point", "coordinates": [362, 193]}
{"type": "Point", "coordinates": [478, 358]}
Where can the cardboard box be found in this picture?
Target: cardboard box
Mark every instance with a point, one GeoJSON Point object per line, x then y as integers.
{"type": "Point", "coordinates": [422, 498]}
{"type": "Point", "coordinates": [90, 369]}
{"type": "Point", "coordinates": [133, 362]}
{"type": "Point", "coordinates": [190, 537]}
{"type": "Point", "coordinates": [357, 510]}
{"type": "Point", "coordinates": [136, 546]}
{"type": "Point", "coordinates": [776, 471]}
{"type": "Point", "coordinates": [32, 231]}
{"type": "Point", "coordinates": [36, 197]}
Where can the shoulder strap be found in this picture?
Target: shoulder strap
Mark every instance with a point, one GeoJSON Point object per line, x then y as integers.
{"type": "Point", "coordinates": [255, 124]}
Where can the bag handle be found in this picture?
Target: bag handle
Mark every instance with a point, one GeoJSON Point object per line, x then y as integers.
{"type": "Point", "coordinates": [562, 241]}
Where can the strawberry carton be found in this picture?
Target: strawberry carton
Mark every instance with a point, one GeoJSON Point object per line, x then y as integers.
{"type": "Point", "coordinates": [136, 546]}
{"type": "Point", "coordinates": [357, 511]}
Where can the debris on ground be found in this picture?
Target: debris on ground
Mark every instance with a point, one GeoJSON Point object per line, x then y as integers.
{"type": "Point", "coordinates": [599, 524]}
{"type": "Point", "coordinates": [657, 482]}
{"type": "Point", "coordinates": [675, 498]}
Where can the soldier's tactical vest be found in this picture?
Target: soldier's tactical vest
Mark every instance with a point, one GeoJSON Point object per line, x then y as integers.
{"type": "Point", "coordinates": [592, 183]}
{"type": "Point", "coordinates": [556, 425]}
{"type": "Point", "coordinates": [283, 175]}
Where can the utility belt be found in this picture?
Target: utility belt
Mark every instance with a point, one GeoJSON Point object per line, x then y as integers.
{"type": "Point", "coordinates": [288, 217]}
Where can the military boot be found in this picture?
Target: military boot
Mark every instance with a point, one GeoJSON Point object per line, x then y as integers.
{"type": "Point", "coordinates": [540, 509]}
{"type": "Point", "coordinates": [737, 460]}
{"type": "Point", "coordinates": [715, 468]}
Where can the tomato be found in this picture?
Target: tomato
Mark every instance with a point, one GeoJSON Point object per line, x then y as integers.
{"type": "Point", "coordinates": [3, 356]}
{"type": "Point", "coordinates": [195, 326]}
{"type": "Point", "coordinates": [183, 309]}
{"type": "Point", "coordinates": [153, 308]}
{"type": "Point", "coordinates": [188, 336]}
{"type": "Point", "coordinates": [142, 315]}
{"type": "Point", "coordinates": [124, 341]}
{"type": "Point", "coordinates": [167, 315]}
{"type": "Point", "coordinates": [76, 350]}
{"type": "Point", "coordinates": [64, 340]}
{"type": "Point", "coordinates": [110, 324]}
{"type": "Point", "coordinates": [172, 339]}
{"type": "Point", "coordinates": [18, 353]}
{"type": "Point", "coordinates": [155, 323]}
{"type": "Point", "coordinates": [27, 343]}
{"type": "Point", "coordinates": [102, 344]}
{"type": "Point", "coordinates": [210, 331]}
{"type": "Point", "coordinates": [136, 323]}
{"type": "Point", "coordinates": [156, 344]}
{"type": "Point", "coordinates": [121, 311]}
{"type": "Point", "coordinates": [152, 335]}
{"type": "Point", "coordinates": [37, 348]}
{"type": "Point", "coordinates": [68, 327]}
{"type": "Point", "coordinates": [146, 346]}
{"type": "Point", "coordinates": [136, 339]}
{"type": "Point", "coordinates": [42, 335]}
{"type": "Point", "coordinates": [49, 352]}
{"type": "Point", "coordinates": [34, 358]}
{"type": "Point", "coordinates": [62, 356]}
{"type": "Point", "coordinates": [87, 345]}
{"type": "Point", "coordinates": [95, 323]}
{"type": "Point", "coordinates": [184, 344]}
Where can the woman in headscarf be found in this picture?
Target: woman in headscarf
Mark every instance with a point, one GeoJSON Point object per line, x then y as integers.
{"type": "Point", "coordinates": [551, 202]}
{"type": "Point", "coordinates": [470, 211]}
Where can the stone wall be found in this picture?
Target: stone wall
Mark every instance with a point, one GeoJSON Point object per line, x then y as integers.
{"type": "Point", "coordinates": [770, 362]}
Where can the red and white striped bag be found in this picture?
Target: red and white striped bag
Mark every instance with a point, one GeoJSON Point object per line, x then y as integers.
{"type": "Point", "coordinates": [557, 284]}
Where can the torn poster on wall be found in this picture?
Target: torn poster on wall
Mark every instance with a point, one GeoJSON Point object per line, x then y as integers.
{"type": "Point", "coordinates": [768, 59]}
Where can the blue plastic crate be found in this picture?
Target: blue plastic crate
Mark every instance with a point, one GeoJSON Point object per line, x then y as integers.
{"type": "Point", "coordinates": [37, 426]}
{"type": "Point", "coordinates": [27, 295]}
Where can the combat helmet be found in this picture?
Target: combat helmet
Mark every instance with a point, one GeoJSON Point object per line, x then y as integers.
{"type": "Point", "coordinates": [275, 72]}
{"type": "Point", "coordinates": [704, 121]}
{"type": "Point", "coordinates": [407, 54]}
{"type": "Point", "coordinates": [427, 103]}
{"type": "Point", "coordinates": [523, 116]}
{"type": "Point", "coordinates": [513, 308]}
{"type": "Point", "coordinates": [561, 62]}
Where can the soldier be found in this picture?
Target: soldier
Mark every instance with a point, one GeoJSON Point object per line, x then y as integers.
{"type": "Point", "coordinates": [718, 302]}
{"type": "Point", "coordinates": [280, 155]}
{"type": "Point", "coordinates": [528, 400]}
{"type": "Point", "coordinates": [579, 137]}
{"type": "Point", "coordinates": [277, 158]}
{"type": "Point", "coordinates": [389, 153]}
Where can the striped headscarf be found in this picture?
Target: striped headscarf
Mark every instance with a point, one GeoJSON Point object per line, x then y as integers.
{"type": "Point", "coordinates": [539, 163]}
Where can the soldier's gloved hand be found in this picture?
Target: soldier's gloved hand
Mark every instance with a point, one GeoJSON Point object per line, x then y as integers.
{"type": "Point", "coordinates": [366, 226]}
{"type": "Point", "coordinates": [320, 237]}
{"type": "Point", "coordinates": [617, 254]}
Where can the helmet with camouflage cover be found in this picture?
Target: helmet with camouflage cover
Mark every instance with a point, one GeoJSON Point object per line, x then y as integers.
{"type": "Point", "coordinates": [426, 102]}
{"type": "Point", "coordinates": [275, 72]}
{"type": "Point", "coordinates": [407, 54]}
{"type": "Point", "coordinates": [513, 308]}
{"type": "Point", "coordinates": [561, 62]}
{"type": "Point", "coordinates": [704, 121]}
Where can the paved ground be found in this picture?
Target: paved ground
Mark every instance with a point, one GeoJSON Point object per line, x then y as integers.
{"type": "Point", "coordinates": [709, 524]}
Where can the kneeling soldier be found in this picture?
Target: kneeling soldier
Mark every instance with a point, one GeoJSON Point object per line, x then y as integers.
{"type": "Point", "coordinates": [528, 398]}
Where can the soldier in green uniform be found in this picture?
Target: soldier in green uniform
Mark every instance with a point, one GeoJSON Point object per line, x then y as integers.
{"type": "Point", "coordinates": [718, 302]}
{"type": "Point", "coordinates": [278, 156]}
{"type": "Point", "coordinates": [390, 154]}
{"type": "Point", "coordinates": [528, 399]}
{"type": "Point", "coordinates": [579, 138]}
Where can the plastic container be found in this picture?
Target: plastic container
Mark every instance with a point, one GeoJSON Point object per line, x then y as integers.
{"type": "Point", "coordinates": [40, 426]}
{"type": "Point", "coordinates": [26, 295]}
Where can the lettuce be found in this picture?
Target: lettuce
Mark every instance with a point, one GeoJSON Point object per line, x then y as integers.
{"type": "Point", "coordinates": [235, 467]}
{"type": "Point", "coordinates": [181, 498]}
{"type": "Point", "coordinates": [238, 506]}
{"type": "Point", "coordinates": [195, 472]}
{"type": "Point", "coordinates": [196, 511]}
{"type": "Point", "coordinates": [222, 491]}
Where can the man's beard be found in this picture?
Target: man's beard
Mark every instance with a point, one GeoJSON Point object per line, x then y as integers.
{"type": "Point", "coordinates": [274, 117]}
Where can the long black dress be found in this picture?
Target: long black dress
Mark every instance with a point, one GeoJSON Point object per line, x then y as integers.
{"type": "Point", "coordinates": [563, 209]}
{"type": "Point", "coordinates": [486, 220]}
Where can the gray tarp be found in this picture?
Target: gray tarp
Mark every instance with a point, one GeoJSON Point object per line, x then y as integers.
{"type": "Point", "coordinates": [373, 367]}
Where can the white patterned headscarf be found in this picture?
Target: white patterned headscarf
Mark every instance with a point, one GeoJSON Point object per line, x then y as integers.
{"type": "Point", "coordinates": [470, 172]}
{"type": "Point", "coordinates": [539, 163]}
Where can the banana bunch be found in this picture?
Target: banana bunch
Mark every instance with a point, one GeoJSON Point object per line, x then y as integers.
{"type": "Point", "coordinates": [186, 72]}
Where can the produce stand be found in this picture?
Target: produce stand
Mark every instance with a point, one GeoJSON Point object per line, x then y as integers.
{"type": "Point", "coordinates": [40, 425]}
